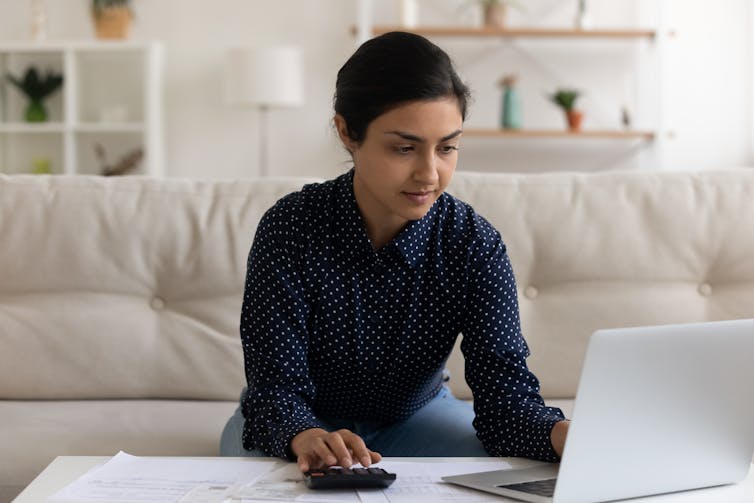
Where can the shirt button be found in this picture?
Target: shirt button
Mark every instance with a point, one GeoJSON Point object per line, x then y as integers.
{"type": "Point", "coordinates": [157, 304]}
{"type": "Point", "coordinates": [705, 289]}
{"type": "Point", "coordinates": [531, 292]}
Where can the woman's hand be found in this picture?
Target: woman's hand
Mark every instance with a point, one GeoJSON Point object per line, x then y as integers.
{"type": "Point", "coordinates": [317, 448]}
{"type": "Point", "coordinates": [558, 436]}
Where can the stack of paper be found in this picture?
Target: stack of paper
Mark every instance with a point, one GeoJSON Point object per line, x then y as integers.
{"type": "Point", "coordinates": [131, 479]}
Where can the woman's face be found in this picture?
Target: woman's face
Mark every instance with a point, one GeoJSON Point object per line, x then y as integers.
{"type": "Point", "coordinates": [405, 162]}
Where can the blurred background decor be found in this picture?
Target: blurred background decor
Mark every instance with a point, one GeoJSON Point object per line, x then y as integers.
{"type": "Point", "coordinates": [566, 100]}
{"type": "Point", "coordinates": [124, 165]}
{"type": "Point", "coordinates": [38, 25]}
{"type": "Point", "coordinates": [582, 21]}
{"type": "Point", "coordinates": [41, 166]}
{"type": "Point", "coordinates": [511, 112]}
{"type": "Point", "coordinates": [112, 18]}
{"type": "Point", "coordinates": [409, 13]}
{"type": "Point", "coordinates": [37, 88]}
{"type": "Point", "coordinates": [494, 12]}
{"type": "Point", "coordinates": [264, 77]}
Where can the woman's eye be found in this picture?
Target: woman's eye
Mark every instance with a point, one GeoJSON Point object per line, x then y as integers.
{"type": "Point", "coordinates": [404, 149]}
{"type": "Point", "coordinates": [447, 149]}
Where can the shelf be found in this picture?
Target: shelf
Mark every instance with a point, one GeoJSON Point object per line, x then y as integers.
{"type": "Point", "coordinates": [59, 127]}
{"type": "Point", "coordinates": [455, 31]}
{"type": "Point", "coordinates": [86, 45]}
{"type": "Point", "coordinates": [26, 127]}
{"type": "Point", "coordinates": [546, 133]}
{"type": "Point", "coordinates": [109, 127]}
{"type": "Point", "coordinates": [112, 96]}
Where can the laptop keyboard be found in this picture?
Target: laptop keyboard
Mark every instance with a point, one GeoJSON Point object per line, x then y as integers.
{"type": "Point", "coordinates": [540, 487]}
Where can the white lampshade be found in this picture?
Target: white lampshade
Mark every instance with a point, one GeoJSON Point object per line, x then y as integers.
{"type": "Point", "coordinates": [269, 76]}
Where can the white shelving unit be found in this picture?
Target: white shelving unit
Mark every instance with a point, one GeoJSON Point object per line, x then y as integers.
{"type": "Point", "coordinates": [111, 95]}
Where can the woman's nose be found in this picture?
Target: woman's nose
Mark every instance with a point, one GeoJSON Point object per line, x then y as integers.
{"type": "Point", "coordinates": [426, 169]}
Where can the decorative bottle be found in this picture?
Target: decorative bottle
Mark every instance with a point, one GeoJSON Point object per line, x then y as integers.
{"type": "Point", "coordinates": [38, 21]}
{"type": "Point", "coordinates": [511, 112]}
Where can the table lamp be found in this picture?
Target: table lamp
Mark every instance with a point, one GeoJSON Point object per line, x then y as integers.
{"type": "Point", "coordinates": [264, 77]}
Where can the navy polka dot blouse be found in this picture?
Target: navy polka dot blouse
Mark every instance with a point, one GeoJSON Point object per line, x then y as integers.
{"type": "Point", "coordinates": [332, 328]}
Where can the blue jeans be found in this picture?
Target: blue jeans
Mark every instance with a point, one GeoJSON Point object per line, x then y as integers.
{"type": "Point", "coordinates": [440, 428]}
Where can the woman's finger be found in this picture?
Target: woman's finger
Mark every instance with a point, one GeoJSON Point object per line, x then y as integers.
{"type": "Point", "coordinates": [360, 452]}
{"type": "Point", "coordinates": [337, 443]}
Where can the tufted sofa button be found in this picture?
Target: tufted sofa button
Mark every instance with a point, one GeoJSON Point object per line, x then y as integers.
{"type": "Point", "coordinates": [705, 289]}
{"type": "Point", "coordinates": [157, 304]}
{"type": "Point", "coordinates": [531, 292]}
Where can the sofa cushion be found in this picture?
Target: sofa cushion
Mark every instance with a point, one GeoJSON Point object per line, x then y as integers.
{"type": "Point", "coordinates": [35, 432]}
{"type": "Point", "coordinates": [616, 249]}
{"type": "Point", "coordinates": [125, 288]}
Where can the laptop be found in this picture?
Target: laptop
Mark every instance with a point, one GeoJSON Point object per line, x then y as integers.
{"type": "Point", "coordinates": [658, 409]}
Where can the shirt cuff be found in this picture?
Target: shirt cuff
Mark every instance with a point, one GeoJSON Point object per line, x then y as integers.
{"type": "Point", "coordinates": [281, 441]}
{"type": "Point", "coordinates": [547, 424]}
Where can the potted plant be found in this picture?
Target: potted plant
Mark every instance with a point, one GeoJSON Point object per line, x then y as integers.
{"type": "Point", "coordinates": [566, 99]}
{"type": "Point", "coordinates": [37, 89]}
{"type": "Point", "coordinates": [112, 18]}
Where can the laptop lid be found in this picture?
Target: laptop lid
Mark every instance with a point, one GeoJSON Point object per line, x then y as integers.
{"type": "Point", "coordinates": [660, 409]}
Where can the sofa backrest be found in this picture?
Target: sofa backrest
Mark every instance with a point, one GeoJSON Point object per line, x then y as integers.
{"type": "Point", "coordinates": [617, 249]}
{"type": "Point", "coordinates": [125, 287]}
{"type": "Point", "coordinates": [131, 287]}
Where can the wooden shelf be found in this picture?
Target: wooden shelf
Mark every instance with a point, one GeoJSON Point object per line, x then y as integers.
{"type": "Point", "coordinates": [546, 133]}
{"type": "Point", "coordinates": [460, 31]}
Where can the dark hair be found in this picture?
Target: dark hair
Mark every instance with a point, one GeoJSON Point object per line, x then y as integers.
{"type": "Point", "coordinates": [389, 70]}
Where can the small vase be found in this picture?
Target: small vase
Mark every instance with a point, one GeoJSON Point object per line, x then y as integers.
{"type": "Point", "coordinates": [494, 15]}
{"type": "Point", "coordinates": [511, 108]}
{"type": "Point", "coordinates": [574, 119]}
{"type": "Point", "coordinates": [36, 112]}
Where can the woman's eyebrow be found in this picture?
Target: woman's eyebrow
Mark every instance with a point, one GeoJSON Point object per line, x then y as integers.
{"type": "Point", "coordinates": [419, 139]}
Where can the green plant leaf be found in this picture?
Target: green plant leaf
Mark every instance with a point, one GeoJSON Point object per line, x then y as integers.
{"type": "Point", "coordinates": [98, 5]}
{"type": "Point", "coordinates": [36, 87]}
{"type": "Point", "coordinates": [565, 98]}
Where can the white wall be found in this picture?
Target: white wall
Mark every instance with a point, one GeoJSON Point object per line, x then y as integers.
{"type": "Point", "coordinates": [708, 84]}
{"type": "Point", "coordinates": [706, 77]}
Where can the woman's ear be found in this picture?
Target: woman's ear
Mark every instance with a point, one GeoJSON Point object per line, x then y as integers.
{"type": "Point", "coordinates": [342, 128]}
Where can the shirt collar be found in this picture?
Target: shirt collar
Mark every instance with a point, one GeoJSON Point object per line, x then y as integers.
{"type": "Point", "coordinates": [411, 243]}
{"type": "Point", "coordinates": [413, 240]}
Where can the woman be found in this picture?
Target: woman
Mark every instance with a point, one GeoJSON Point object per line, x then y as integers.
{"type": "Point", "coordinates": [358, 287]}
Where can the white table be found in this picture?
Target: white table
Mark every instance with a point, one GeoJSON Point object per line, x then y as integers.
{"type": "Point", "coordinates": [65, 469]}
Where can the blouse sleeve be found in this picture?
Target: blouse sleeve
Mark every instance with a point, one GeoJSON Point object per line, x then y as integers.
{"type": "Point", "coordinates": [511, 418]}
{"type": "Point", "coordinates": [275, 340]}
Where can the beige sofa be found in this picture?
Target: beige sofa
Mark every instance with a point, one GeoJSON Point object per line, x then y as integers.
{"type": "Point", "coordinates": [120, 298]}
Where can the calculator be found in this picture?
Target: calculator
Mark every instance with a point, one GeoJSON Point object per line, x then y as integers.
{"type": "Point", "coordinates": [348, 478]}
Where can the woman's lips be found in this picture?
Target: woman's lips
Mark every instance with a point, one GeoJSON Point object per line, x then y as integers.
{"type": "Point", "coordinates": [418, 197]}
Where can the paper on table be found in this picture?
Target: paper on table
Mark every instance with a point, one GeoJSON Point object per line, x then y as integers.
{"type": "Point", "coordinates": [417, 482]}
{"type": "Point", "coordinates": [422, 483]}
{"type": "Point", "coordinates": [132, 479]}
{"type": "Point", "coordinates": [287, 484]}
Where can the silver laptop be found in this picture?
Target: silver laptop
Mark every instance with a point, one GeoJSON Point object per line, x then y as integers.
{"type": "Point", "coordinates": [659, 409]}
